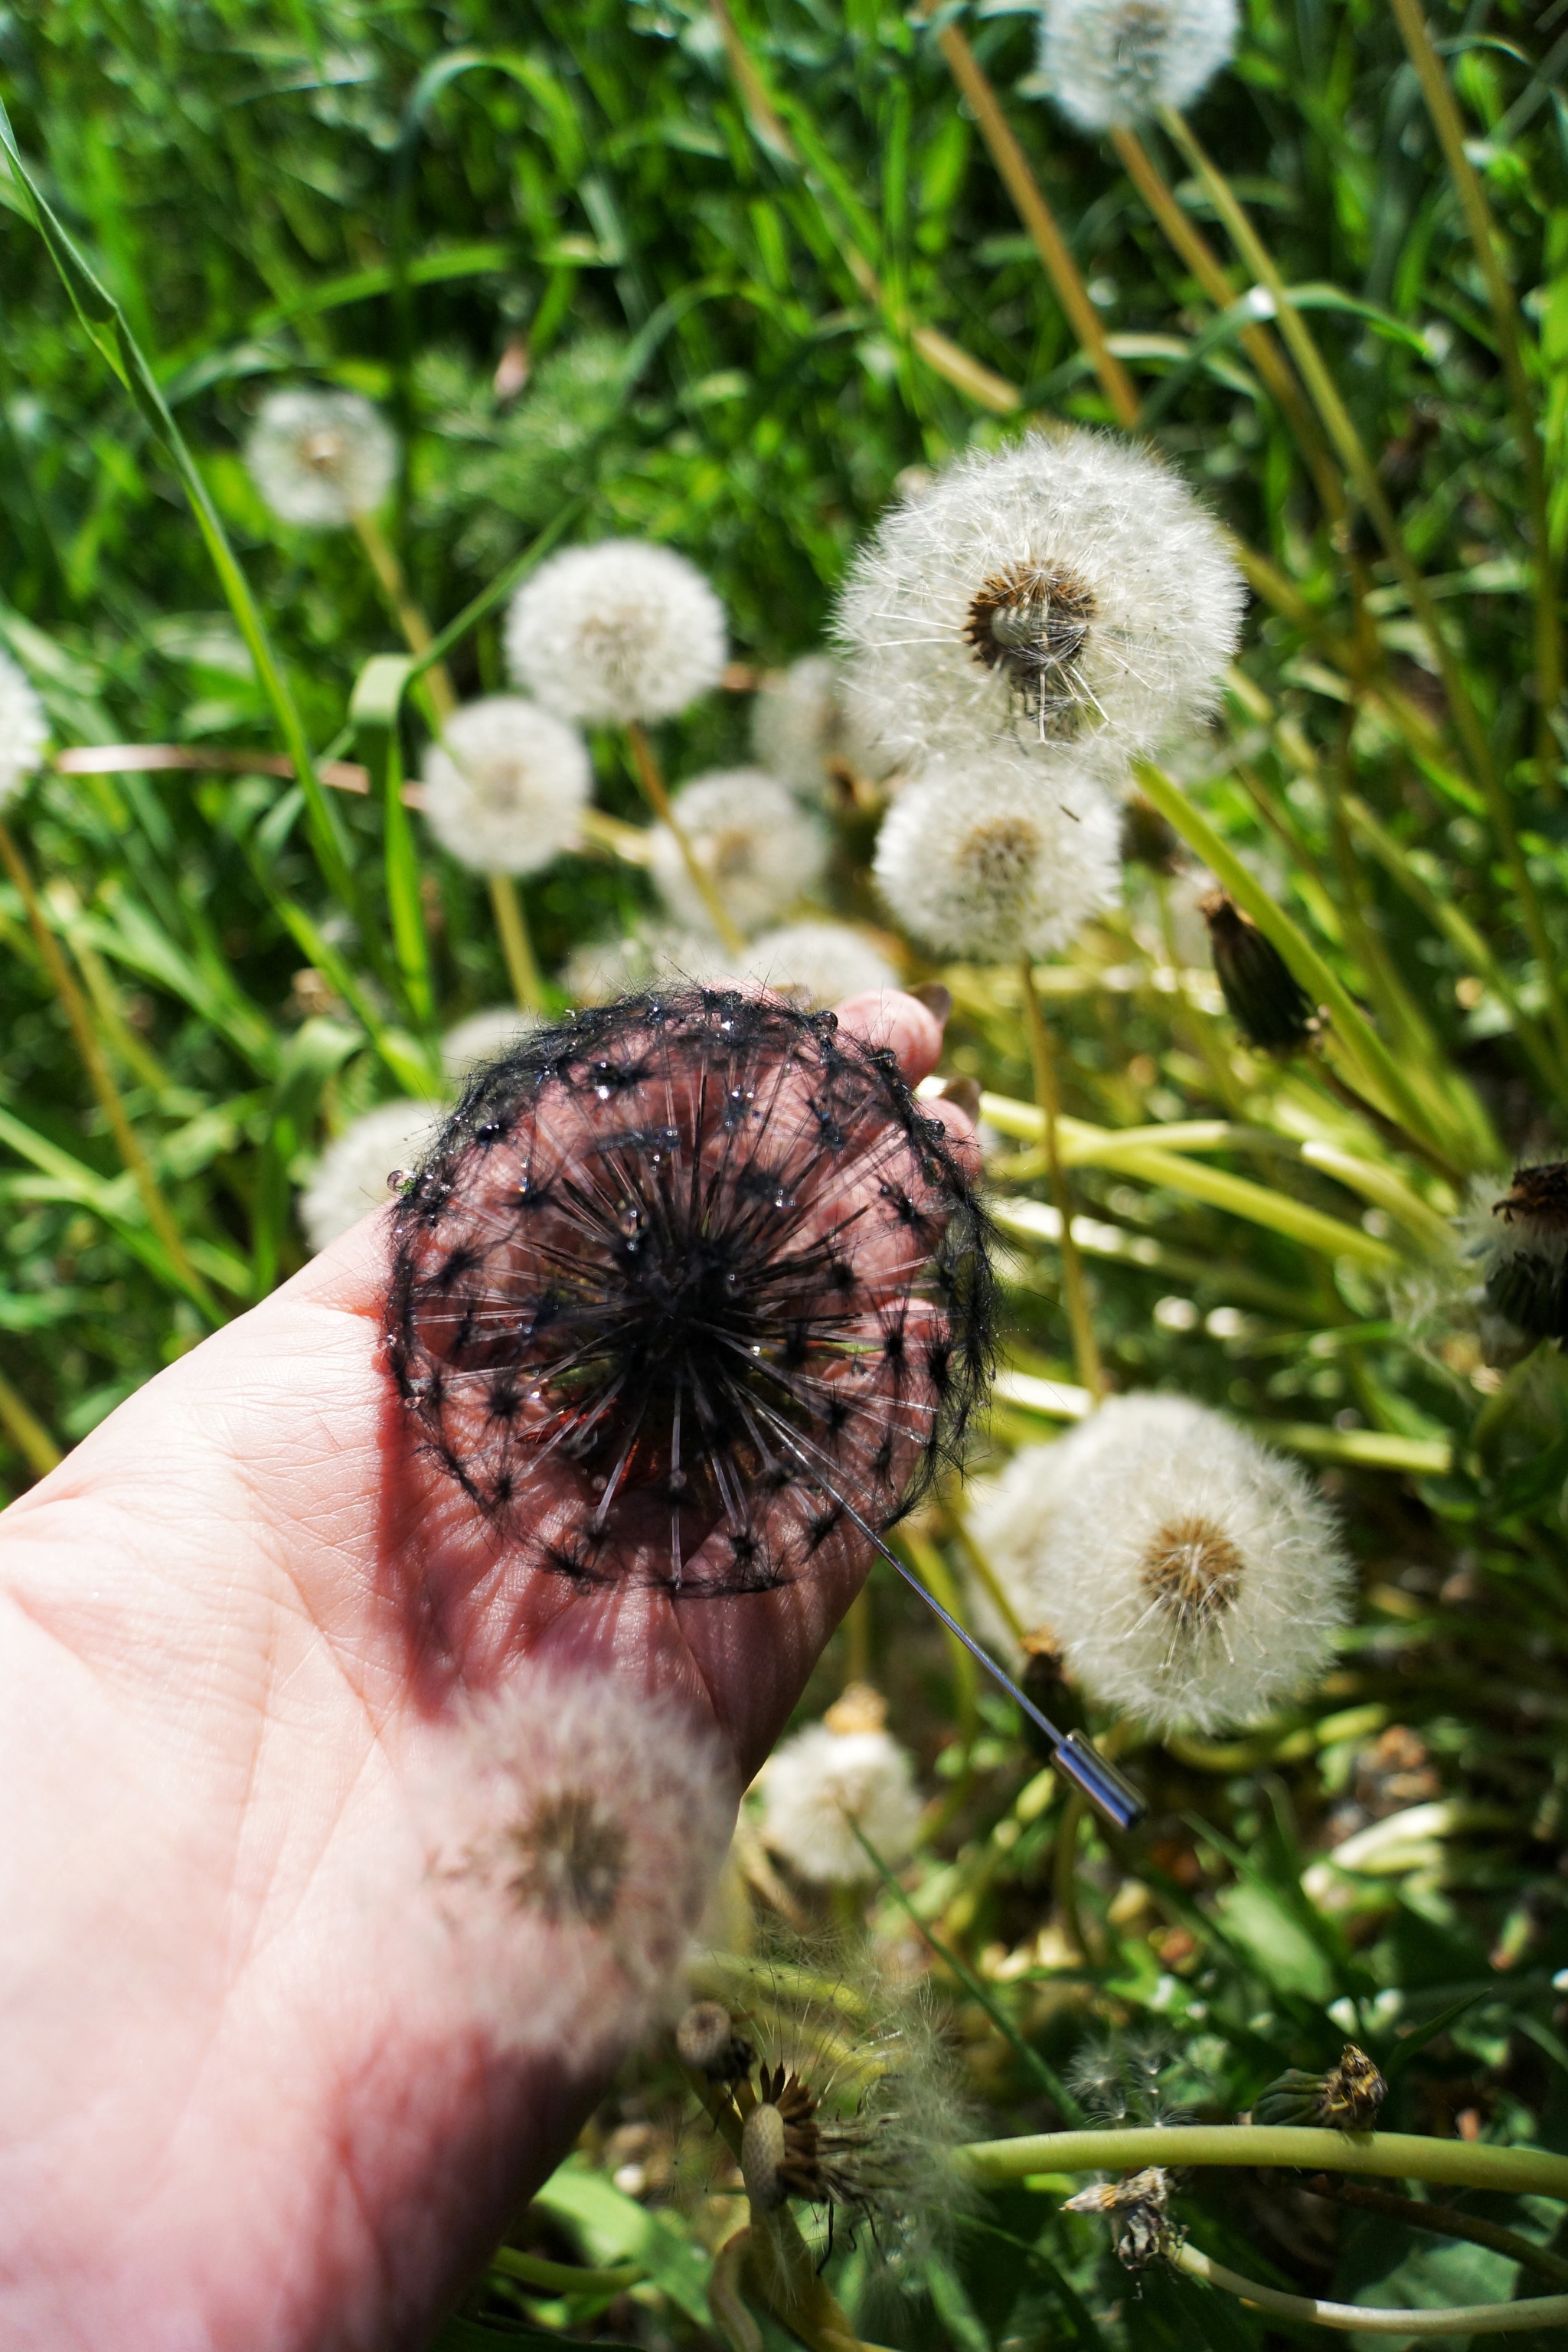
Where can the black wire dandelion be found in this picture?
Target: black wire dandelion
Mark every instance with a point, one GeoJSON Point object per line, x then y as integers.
{"type": "Point", "coordinates": [687, 1285]}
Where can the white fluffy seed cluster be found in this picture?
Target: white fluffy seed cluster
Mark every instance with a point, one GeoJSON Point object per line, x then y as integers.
{"type": "Point", "coordinates": [762, 849]}
{"type": "Point", "coordinates": [351, 1177]}
{"type": "Point", "coordinates": [1111, 63]}
{"type": "Point", "coordinates": [822, 1785]}
{"type": "Point", "coordinates": [616, 631]}
{"type": "Point", "coordinates": [574, 1832]}
{"type": "Point", "coordinates": [505, 785]}
{"type": "Point", "coordinates": [1190, 1577]}
{"type": "Point", "coordinates": [804, 729]}
{"type": "Point", "coordinates": [820, 962]}
{"type": "Point", "coordinates": [469, 1046]}
{"type": "Point", "coordinates": [999, 855]}
{"type": "Point", "coordinates": [23, 730]}
{"type": "Point", "coordinates": [321, 457]}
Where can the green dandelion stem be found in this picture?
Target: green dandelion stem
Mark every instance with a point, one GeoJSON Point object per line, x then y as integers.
{"type": "Point", "coordinates": [1364, 2319]}
{"type": "Point", "coordinates": [1391, 2156]}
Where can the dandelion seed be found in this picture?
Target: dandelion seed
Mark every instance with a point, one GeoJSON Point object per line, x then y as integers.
{"type": "Point", "coordinates": [321, 457]}
{"type": "Point", "coordinates": [1193, 1578]}
{"type": "Point", "coordinates": [574, 1832]}
{"type": "Point", "coordinates": [352, 1175]}
{"type": "Point", "coordinates": [1112, 63]}
{"type": "Point", "coordinates": [484, 1037]}
{"type": "Point", "coordinates": [1519, 1234]}
{"type": "Point", "coordinates": [1000, 856]}
{"type": "Point", "coordinates": [821, 964]}
{"type": "Point", "coordinates": [751, 835]}
{"type": "Point", "coordinates": [505, 785]}
{"type": "Point", "coordinates": [616, 632]}
{"type": "Point", "coordinates": [837, 1777]}
{"type": "Point", "coordinates": [705, 1259]}
{"type": "Point", "coordinates": [1065, 588]}
{"type": "Point", "coordinates": [23, 730]}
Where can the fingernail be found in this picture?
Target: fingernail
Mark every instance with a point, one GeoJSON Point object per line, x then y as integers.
{"type": "Point", "coordinates": [965, 1093]}
{"type": "Point", "coordinates": [934, 996]}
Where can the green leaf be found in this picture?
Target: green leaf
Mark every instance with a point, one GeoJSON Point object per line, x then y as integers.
{"type": "Point", "coordinates": [615, 2229]}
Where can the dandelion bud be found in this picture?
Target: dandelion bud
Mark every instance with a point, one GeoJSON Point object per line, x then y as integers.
{"type": "Point", "coordinates": [616, 632]}
{"type": "Point", "coordinates": [23, 731]}
{"type": "Point", "coordinates": [1147, 839]}
{"type": "Point", "coordinates": [1111, 63]}
{"type": "Point", "coordinates": [708, 2042]}
{"type": "Point", "coordinates": [321, 457]}
{"type": "Point", "coordinates": [505, 785]}
{"type": "Point", "coordinates": [1347, 2098]}
{"type": "Point", "coordinates": [1525, 1251]}
{"type": "Point", "coordinates": [1065, 587]}
{"type": "Point", "coordinates": [760, 848]}
{"type": "Point", "coordinates": [1262, 995]}
{"type": "Point", "coordinates": [687, 1288]}
{"type": "Point", "coordinates": [355, 1172]}
{"type": "Point", "coordinates": [998, 857]}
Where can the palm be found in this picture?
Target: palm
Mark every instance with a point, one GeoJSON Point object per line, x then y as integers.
{"type": "Point", "coordinates": [244, 2101]}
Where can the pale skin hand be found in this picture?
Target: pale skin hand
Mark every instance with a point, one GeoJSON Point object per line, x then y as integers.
{"type": "Point", "coordinates": [241, 2103]}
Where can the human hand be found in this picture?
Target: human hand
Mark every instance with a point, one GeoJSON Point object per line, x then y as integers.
{"type": "Point", "coordinates": [245, 2102]}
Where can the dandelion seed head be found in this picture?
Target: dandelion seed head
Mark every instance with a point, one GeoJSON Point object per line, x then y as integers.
{"type": "Point", "coordinates": [484, 1037]}
{"type": "Point", "coordinates": [505, 785]}
{"type": "Point", "coordinates": [999, 855]}
{"type": "Point", "coordinates": [823, 1785]}
{"type": "Point", "coordinates": [1113, 63]}
{"type": "Point", "coordinates": [618, 631]}
{"type": "Point", "coordinates": [352, 1176]}
{"type": "Point", "coordinates": [318, 458]}
{"type": "Point", "coordinates": [820, 963]}
{"type": "Point", "coordinates": [705, 1259]}
{"type": "Point", "coordinates": [804, 729]}
{"type": "Point", "coordinates": [23, 730]}
{"type": "Point", "coordinates": [750, 835]}
{"type": "Point", "coordinates": [1066, 588]}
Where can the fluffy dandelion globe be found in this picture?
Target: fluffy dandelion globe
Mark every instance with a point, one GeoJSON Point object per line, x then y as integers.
{"type": "Point", "coordinates": [819, 962]}
{"type": "Point", "coordinates": [321, 457]}
{"type": "Point", "coordinates": [1191, 1577]}
{"type": "Point", "coordinates": [23, 731]}
{"type": "Point", "coordinates": [352, 1174]}
{"type": "Point", "coordinates": [505, 785]}
{"type": "Point", "coordinates": [761, 850]}
{"type": "Point", "coordinates": [654, 954]}
{"type": "Point", "coordinates": [1063, 588]}
{"type": "Point", "coordinates": [844, 1774]}
{"type": "Point", "coordinates": [616, 632]}
{"type": "Point", "coordinates": [804, 729]}
{"type": "Point", "coordinates": [1111, 63]}
{"type": "Point", "coordinates": [472, 1044]}
{"type": "Point", "coordinates": [1001, 857]}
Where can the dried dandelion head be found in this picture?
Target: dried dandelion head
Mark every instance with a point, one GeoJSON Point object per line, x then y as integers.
{"type": "Point", "coordinates": [321, 457]}
{"type": "Point", "coordinates": [687, 1285]}
{"type": "Point", "coordinates": [1519, 1234]}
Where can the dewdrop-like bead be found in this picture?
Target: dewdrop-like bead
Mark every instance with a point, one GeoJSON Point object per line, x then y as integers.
{"type": "Point", "coordinates": [505, 785]}
{"type": "Point", "coordinates": [750, 834]}
{"type": "Point", "coordinates": [1065, 588]}
{"type": "Point", "coordinates": [321, 457]}
{"type": "Point", "coordinates": [574, 1826]}
{"type": "Point", "coordinates": [23, 730]}
{"type": "Point", "coordinates": [999, 855]}
{"type": "Point", "coordinates": [351, 1174]}
{"type": "Point", "coordinates": [824, 1783]}
{"type": "Point", "coordinates": [1111, 63]}
{"type": "Point", "coordinates": [819, 962]}
{"type": "Point", "coordinates": [619, 631]}
{"type": "Point", "coordinates": [1193, 1578]}
{"type": "Point", "coordinates": [483, 1037]}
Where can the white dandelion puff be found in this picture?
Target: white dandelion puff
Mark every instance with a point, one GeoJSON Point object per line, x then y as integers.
{"type": "Point", "coordinates": [505, 785]}
{"type": "Point", "coordinates": [804, 729]}
{"type": "Point", "coordinates": [999, 857]}
{"type": "Point", "coordinates": [1067, 587]}
{"type": "Point", "coordinates": [616, 632]}
{"type": "Point", "coordinates": [321, 457]}
{"type": "Point", "coordinates": [653, 955]}
{"type": "Point", "coordinates": [1111, 63]}
{"type": "Point", "coordinates": [351, 1177]}
{"type": "Point", "coordinates": [574, 1829]}
{"type": "Point", "coordinates": [23, 730]}
{"type": "Point", "coordinates": [750, 835]}
{"type": "Point", "coordinates": [1010, 1513]}
{"type": "Point", "coordinates": [822, 962]}
{"type": "Point", "coordinates": [838, 1775]}
{"type": "Point", "coordinates": [484, 1037]}
{"type": "Point", "coordinates": [1193, 1578]}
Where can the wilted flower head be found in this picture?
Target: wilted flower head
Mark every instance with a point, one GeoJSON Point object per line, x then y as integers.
{"type": "Point", "coordinates": [1137, 2207]}
{"type": "Point", "coordinates": [1521, 1237]}
{"type": "Point", "coordinates": [706, 1262]}
{"type": "Point", "coordinates": [23, 731]}
{"type": "Point", "coordinates": [1191, 1577]}
{"type": "Point", "coordinates": [618, 631]}
{"type": "Point", "coordinates": [821, 962]}
{"type": "Point", "coordinates": [352, 1174]}
{"type": "Point", "coordinates": [575, 1827]}
{"type": "Point", "coordinates": [838, 1776]}
{"type": "Point", "coordinates": [321, 457]}
{"type": "Point", "coordinates": [1348, 2097]}
{"type": "Point", "coordinates": [484, 1037]}
{"type": "Point", "coordinates": [1111, 63]}
{"type": "Point", "coordinates": [750, 835]}
{"type": "Point", "coordinates": [1066, 587]}
{"type": "Point", "coordinates": [505, 785]}
{"type": "Point", "coordinates": [999, 857]}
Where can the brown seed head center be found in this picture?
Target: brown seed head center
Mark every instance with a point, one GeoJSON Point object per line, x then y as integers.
{"type": "Point", "coordinates": [1033, 624]}
{"type": "Point", "coordinates": [997, 856]}
{"type": "Point", "coordinates": [1191, 1571]}
{"type": "Point", "coordinates": [322, 451]}
{"type": "Point", "coordinates": [571, 1856]}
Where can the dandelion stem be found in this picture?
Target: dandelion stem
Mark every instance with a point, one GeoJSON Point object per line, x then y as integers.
{"type": "Point", "coordinates": [725, 2300]}
{"type": "Point", "coordinates": [1446, 2222]}
{"type": "Point", "coordinates": [1369, 2319]}
{"type": "Point", "coordinates": [1064, 1875]}
{"type": "Point", "coordinates": [657, 798]}
{"type": "Point", "coordinates": [1394, 2156]}
{"type": "Point", "coordinates": [1029, 203]}
{"type": "Point", "coordinates": [930, 1565]}
{"type": "Point", "coordinates": [522, 964]}
{"type": "Point", "coordinates": [26, 1432]}
{"type": "Point", "coordinates": [563, 2278]}
{"type": "Point", "coordinates": [415, 628]}
{"type": "Point", "coordinates": [1389, 1128]}
{"type": "Point", "coordinates": [101, 1079]}
{"type": "Point", "coordinates": [1075, 1290]}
